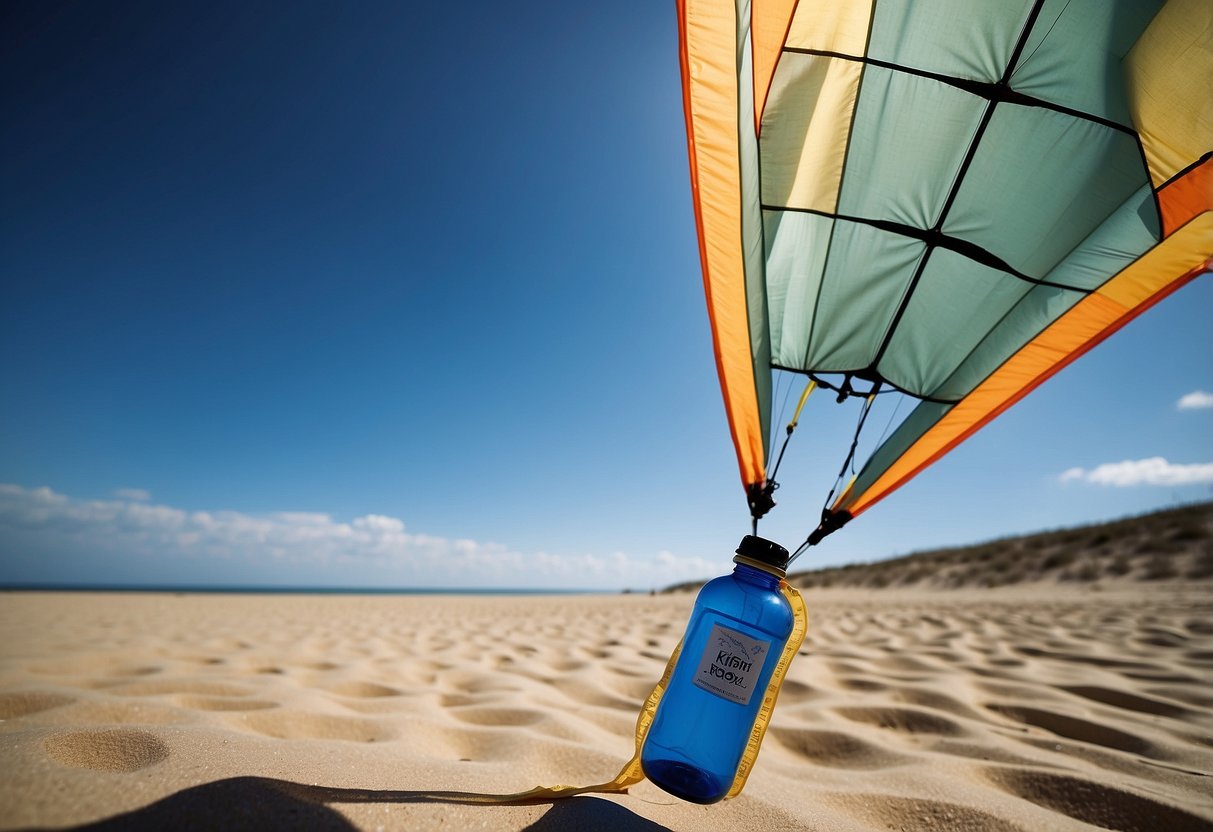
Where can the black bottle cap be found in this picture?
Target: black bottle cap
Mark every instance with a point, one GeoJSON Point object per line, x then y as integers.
{"type": "Point", "coordinates": [763, 551]}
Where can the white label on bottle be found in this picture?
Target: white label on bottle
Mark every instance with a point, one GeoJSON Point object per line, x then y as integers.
{"type": "Point", "coordinates": [731, 664]}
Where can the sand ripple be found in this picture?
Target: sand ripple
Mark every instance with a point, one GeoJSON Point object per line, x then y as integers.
{"type": "Point", "coordinates": [1096, 803]}
{"type": "Point", "coordinates": [1048, 709]}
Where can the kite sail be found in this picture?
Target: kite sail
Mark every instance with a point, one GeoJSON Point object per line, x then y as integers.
{"type": "Point", "coordinates": [951, 199]}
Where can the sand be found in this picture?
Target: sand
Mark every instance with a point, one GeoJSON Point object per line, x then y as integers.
{"type": "Point", "coordinates": [1032, 708]}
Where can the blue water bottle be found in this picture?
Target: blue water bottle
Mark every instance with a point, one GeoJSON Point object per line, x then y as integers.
{"type": "Point", "coordinates": [736, 634]}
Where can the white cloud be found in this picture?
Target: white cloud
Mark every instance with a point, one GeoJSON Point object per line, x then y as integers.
{"type": "Point", "coordinates": [303, 518]}
{"type": "Point", "coordinates": [377, 522]}
{"type": "Point", "coordinates": [376, 547]}
{"type": "Point", "coordinates": [137, 495]}
{"type": "Point", "coordinates": [1071, 474]}
{"type": "Point", "coordinates": [1196, 400]}
{"type": "Point", "coordinates": [1152, 471]}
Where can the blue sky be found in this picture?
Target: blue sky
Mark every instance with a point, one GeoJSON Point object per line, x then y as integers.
{"type": "Point", "coordinates": [377, 295]}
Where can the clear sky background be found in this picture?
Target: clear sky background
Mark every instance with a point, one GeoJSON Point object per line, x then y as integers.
{"type": "Point", "coordinates": [391, 295]}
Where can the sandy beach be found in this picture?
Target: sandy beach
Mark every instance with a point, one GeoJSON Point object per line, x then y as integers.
{"type": "Point", "coordinates": [1026, 708]}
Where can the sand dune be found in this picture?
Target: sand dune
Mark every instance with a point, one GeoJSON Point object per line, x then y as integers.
{"type": "Point", "coordinates": [1175, 544]}
{"type": "Point", "coordinates": [1049, 708]}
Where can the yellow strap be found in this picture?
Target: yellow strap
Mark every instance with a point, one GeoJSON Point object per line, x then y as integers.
{"type": "Point", "coordinates": [631, 773]}
{"type": "Point", "coordinates": [800, 626]}
{"type": "Point", "coordinates": [804, 397]}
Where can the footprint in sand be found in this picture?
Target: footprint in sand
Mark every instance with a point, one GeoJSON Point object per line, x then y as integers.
{"type": "Point", "coordinates": [114, 749]}
{"type": "Point", "coordinates": [1094, 803]}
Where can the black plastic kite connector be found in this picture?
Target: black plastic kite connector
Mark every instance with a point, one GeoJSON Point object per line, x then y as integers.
{"type": "Point", "coordinates": [831, 521]}
{"type": "Point", "coordinates": [759, 496]}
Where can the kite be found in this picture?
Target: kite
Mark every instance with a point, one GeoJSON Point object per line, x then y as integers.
{"type": "Point", "coordinates": [948, 199]}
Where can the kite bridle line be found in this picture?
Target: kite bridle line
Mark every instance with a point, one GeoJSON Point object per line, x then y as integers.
{"type": "Point", "coordinates": [759, 496]}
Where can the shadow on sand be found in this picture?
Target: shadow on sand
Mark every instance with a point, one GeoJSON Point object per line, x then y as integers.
{"type": "Point", "coordinates": [263, 804]}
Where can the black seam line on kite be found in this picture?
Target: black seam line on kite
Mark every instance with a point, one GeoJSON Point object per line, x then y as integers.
{"type": "Point", "coordinates": [938, 239]}
{"type": "Point", "coordinates": [1039, 331]}
{"type": "Point", "coordinates": [1045, 37]}
{"type": "Point", "coordinates": [1027, 340]}
{"type": "Point", "coordinates": [1035, 334]}
{"type": "Point", "coordinates": [842, 178]}
{"type": "Point", "coordinates": [901, 306]}
{"type": "Point", "coordinates": [997, 91]}
{"type": "Point", "coordinates": [985, 339]}
{"type": "Point", "coordinates": [978, 135]}
{"type": "Point", "coordinates": [1181, 174]}
{"type": "Point", "coordinates": [893, 388]}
